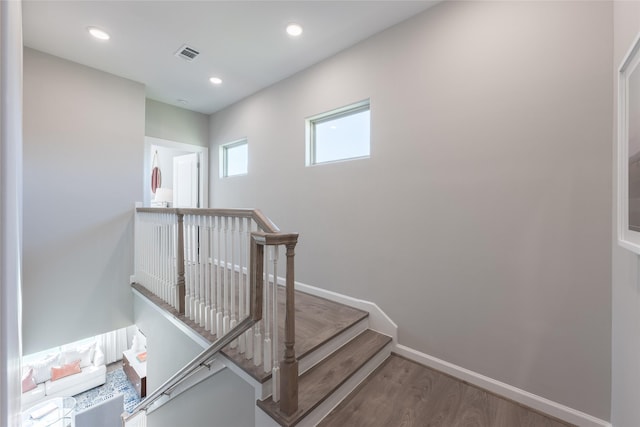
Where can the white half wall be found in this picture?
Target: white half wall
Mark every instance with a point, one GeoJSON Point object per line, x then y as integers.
{"type": "Point", "coordinates": [223, 399]}
{"type": "Point", "coordinates": [83, 164]}
{"type": "Point", "coordinates": [625, 393]}
{"type": "Point", "coordinates": [481, 223]}
{"type": "Point", "coordinates": [10, 210]}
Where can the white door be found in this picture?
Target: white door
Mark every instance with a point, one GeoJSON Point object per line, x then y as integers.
{"type": "Point", "coordinates": [186, 181]}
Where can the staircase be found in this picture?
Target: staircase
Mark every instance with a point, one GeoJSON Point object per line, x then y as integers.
{"type": "Point", "coordinates": [335, 348]}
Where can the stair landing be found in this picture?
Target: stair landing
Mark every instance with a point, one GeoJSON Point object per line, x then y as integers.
{"type": "Point", "coordinates": [318, 320]}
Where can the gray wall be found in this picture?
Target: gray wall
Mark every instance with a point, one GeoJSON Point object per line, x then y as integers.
{"type": "Point", "coordinates": [481, 223]}
{"type": "Point", "coordinates": [176, 124]}
{"type": "Point", "coordinates": [223, 397]}
{"type": "Point", "coordinates": [221, 400]}
{"type": "Point", "coordinates": [83, 156]}
{"type": "Point", "coordinates": [625, 394]}
{"type": "Point", "coordinates": [169, 348]}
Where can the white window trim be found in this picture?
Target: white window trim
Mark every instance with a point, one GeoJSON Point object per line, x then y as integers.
{"type": "Point", "coordinates": [223, 156]}
{"type": "Point", "coordinates": [347, 110]}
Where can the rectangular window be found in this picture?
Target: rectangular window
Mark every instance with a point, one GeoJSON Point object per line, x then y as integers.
{"type": "Point", "coordinates": [234, 158]}
{"type": "Point", "coordinates": [340, 134]}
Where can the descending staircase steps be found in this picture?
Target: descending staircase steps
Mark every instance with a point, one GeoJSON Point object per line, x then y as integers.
{"type": "Point", "coordinates": [319, 382]}
{"type": "Point", "coordinates": [318, 321]}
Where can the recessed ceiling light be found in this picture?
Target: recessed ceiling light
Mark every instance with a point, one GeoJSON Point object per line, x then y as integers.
{"type": "Point", "coordinates": [216, 80]}
{"type": "Point", "coordinates": [98, 33]}
{"type": "Point", "coordinates": [294, 30]}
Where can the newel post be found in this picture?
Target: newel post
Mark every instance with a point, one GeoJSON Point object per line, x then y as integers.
{"type": "Point", "coordinates": [256, 259]}
{"type": "Point", "coordinates": [180, 286]}
{"type": "Point", "coordinates": [289, 365]}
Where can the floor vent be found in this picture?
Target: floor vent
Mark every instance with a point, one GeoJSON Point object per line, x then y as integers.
{"type": "Point", "coordinates": [187, 53]}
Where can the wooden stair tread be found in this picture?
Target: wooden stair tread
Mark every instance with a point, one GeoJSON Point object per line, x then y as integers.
{"type": "Point", "coordinates": [318, 320]}
{"type": "Point", "coordinates": [319, 382]}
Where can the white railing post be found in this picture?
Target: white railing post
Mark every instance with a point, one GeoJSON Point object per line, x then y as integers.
{"type": "Point", "coordinates": [241, 311]}
{"type": "Point", "coordinates": [234, 319]}
{"type": "Point", "coordinates": [275, 368]}
{"type": "Point", "coordinates": [220, 303]}
{"type": "Point", "coordinates": [249, 335]}
{"type": "Point", "coordinates": [267, 316]}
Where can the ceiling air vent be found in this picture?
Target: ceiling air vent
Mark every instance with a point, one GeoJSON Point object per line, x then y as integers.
{"type": "Point", "coordinates": [187, 53]}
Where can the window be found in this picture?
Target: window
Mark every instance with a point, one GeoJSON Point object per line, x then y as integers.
{"type": "Point", "coordinates": [340, 134]}
{"type": "Point", "coordinates": [234, 158]}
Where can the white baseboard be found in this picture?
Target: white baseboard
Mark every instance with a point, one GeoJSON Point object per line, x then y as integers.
{"type": "Point", "coordinates": [523, 397]}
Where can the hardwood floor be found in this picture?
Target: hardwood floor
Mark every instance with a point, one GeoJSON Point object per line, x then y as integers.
{"type": "Point", "coordinates": [402, 393]}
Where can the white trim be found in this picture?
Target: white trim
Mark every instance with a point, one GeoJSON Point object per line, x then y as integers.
{"type": "Point", "coordinates": [204, 165]}
{"type": "Point", "coordinates": [223, 165]}
{"type": "Point", "coordinates": [334, 344]}
{"type": "Point", "coordinates": [327, 116]}
{"type": "Point", "coordinates": [378, 319]}
{"type": "Point", "coordinates": [627, 238]}
{"type": "Point", "coordinates": [11, 171]}
{"type": "Point", "coordinates": [546, 406]}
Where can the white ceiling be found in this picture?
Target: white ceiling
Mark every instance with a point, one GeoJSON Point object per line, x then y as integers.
{"type": "Point", "coordinates": [242, 42]}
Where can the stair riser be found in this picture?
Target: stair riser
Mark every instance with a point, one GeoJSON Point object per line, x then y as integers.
{"type": "Point", "coordinates": [264, 390]}
{"type": "Point", "coordinates": [336, 397]}
{"type": "Point", "coordinates": [319, 354]}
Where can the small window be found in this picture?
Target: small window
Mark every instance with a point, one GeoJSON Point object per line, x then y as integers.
{"type": "Point", "coordinates": [234, 158]}
{"type": "Point", "coordinates": [340, 134]}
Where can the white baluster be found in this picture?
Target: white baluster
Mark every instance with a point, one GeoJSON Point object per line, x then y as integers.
{"type": "Point", "coordinates": [219, 307]}
{"type": "Point", "coordinates": [214, 273]}
{"type": "Point", "coordinates": [250, 334]}
{"type": "Point", "coordinates": [201, 270]}
{"type": "Point", "coordinates": [257, 344]}
{"type": "Point", "coordinates": [204, 268]}
{"type": "Point", "coordinates": [163, 260]}
{"type": "Point", "coordinates": [198, 261]}
{"type": "Point", "coordinates": [267, 315]}
{"type": "Point", "coordinates": [241, 312]}
{"type": "Point", "coordinates": [194, 268]}
{"type": "Point", "coordinates": [234, 319]}
{"type": "Point", "coordinates": [275, 370]}
{"type": "Point", "coordinates": [192, 276]}
{"type": "Point", "coordinates": [227, 299]}
{"type": "Point", "coordinates": [248, 338]}
{"type": "Point", "coordinates": [187, 278]}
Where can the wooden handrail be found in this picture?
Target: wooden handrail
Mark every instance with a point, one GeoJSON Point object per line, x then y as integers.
{"type": "Point", "coordinates": [256, 214]}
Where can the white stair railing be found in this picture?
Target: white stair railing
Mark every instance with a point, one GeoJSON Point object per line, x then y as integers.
{"type": "Point", "coordinates": [198, 261]}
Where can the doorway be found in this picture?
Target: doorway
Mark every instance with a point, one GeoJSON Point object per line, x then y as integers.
{"type": "Point", "coordinates": [182, 169]}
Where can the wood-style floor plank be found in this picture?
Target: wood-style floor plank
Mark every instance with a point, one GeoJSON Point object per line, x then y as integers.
{"type": "Point", "coordinates": [404, 393]}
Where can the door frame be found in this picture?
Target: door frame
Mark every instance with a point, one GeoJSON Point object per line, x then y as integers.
{"type": "Point", "coordinates": [204, 166]}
